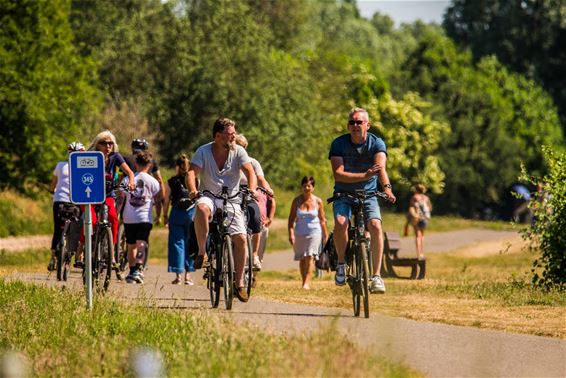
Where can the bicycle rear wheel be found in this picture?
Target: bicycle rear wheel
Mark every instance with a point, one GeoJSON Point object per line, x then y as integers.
{"type": "Point", "coordinates": [228, 271]}
{"type": "Point", "coordinates": [60, 253]}
{"type": "Point", "coordinates": [364, 276]}
{"type": "Point", "coordinates": [121, 252]}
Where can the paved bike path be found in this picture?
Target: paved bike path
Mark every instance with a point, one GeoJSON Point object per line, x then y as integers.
{"type": "Point", "coordinates": [437, 350]}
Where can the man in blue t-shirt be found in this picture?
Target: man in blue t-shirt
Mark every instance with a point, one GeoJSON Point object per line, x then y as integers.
{"type": "Point", "coordinates": [358, 159]}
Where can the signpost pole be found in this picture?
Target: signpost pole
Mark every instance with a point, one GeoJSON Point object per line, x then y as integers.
{"type": "Point", "coordinates": [87, 187]}
{"type": "Point", "coordinates": [88, 255]}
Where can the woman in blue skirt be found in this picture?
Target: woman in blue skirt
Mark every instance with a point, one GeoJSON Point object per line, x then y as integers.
{"type": "Point", "coordinates": [179, 221]}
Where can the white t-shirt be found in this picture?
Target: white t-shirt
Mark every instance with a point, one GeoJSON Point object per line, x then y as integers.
{"type": "Point", "coordinates": [62, 189]}
{"type": "Point", "coordinates": [257, 169]}
{"type": "Point", "coordinates": [139, 203]}
{"type": "Point", "coordinates": [214, 179]}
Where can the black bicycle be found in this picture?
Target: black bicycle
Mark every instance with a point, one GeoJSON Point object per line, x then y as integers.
{"type": "Point", "coordinates": [357, 252]}
{"type": "Point", "coordinates": [103, 249]}
{"type": "Point", "coordinates": [69, 242]}
{"type": "Point", "coordinates": [220, 268]}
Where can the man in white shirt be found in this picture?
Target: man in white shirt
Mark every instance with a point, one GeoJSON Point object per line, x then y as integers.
{"type": "Point", "coordinates": [218, 164]}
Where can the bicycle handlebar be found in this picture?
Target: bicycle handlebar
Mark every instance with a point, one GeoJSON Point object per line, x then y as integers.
{"type": "Point", "coordinates": [221, 196]}
{"type": "Point", "coordinates": [358, 196]}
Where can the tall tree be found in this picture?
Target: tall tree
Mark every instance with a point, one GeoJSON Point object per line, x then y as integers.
{"type": "Point", "coordinates": [46, 90]}
{"type": "Point", "coordinates": [497, 120]}
{"type": "Point", "coordinates": [528, 36]}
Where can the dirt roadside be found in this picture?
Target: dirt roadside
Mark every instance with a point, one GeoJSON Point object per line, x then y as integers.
{"type": "Point", "coordinates": [431, 348]}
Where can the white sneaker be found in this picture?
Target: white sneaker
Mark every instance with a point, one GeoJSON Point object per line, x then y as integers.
{"type": "Point", "coordinates": [257, 264]}
{"type": "Point", "coordinates": [340, 277]}
{"type": "Point", "coordinates": [377, 285]}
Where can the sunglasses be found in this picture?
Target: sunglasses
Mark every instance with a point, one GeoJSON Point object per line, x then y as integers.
{"type": "Point", "coordinates": [106, 143]}
{"type": "Point", "coordinates": [355, 122]}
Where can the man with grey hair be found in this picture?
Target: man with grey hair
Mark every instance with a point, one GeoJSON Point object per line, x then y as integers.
{"type": "Point", "coordinates": [358, 159]}
{"type": "Point", "coordinates": [218, 164]}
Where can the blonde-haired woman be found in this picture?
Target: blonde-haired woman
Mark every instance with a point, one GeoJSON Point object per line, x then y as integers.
{"type": "Point", "coordinates": [180, 257]}
{"type": "Point", "coordinates": [105, 142]}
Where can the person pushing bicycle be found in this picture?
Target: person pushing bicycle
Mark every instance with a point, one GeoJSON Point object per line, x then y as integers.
{"type": "Point", "coordinates": [358, 159]}
{"type": "Point", "coordinates": [218, 164]}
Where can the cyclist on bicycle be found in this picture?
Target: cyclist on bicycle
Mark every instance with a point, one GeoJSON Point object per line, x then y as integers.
{"type": "Point", "coordinates": [257, 210]}
{"type": "Point", "coordinates": [218, 164]}
{"type": "Point", "coordinates": [113, 160]}
{"type": "Point", "coordinates": [138, 214]}
{"type": "Point", "coordinates": [357, 160]}
{"type": "Point", "coordinates": [61, 197]}
{"type": "Point", "coordinates": [140, 145]}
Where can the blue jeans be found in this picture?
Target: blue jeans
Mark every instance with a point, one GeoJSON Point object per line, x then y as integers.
{"type": "Point", "coordinates": [179, 254]}
{"type": "Point", "coordinates": [343, 207]}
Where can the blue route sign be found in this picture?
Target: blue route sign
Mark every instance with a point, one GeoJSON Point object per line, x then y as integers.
{"type": "Point", "coordinates": [86, 171]}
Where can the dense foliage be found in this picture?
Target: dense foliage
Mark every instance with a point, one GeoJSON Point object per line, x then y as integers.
{"type": "Point", "coordinates": [287, 71]}
{"type": "Point", "coordinates": [46, 89]}
{"type": "Point", "coordinates": [549, 229]}
{"type": "Point", "coordinates": [528, 36]}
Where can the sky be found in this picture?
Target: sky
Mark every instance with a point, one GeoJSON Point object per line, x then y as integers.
{"type": "Point", "coordinates": [405, 10]}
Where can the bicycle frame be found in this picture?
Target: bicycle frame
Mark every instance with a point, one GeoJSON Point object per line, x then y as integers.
{"type": "Point", "coordinates": [358, 257]}
{"type": "Point", "coordinates": [221, 260]}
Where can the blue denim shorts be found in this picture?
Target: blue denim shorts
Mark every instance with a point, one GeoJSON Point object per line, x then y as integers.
{"type": "Point", "coordinates": [343, 207]}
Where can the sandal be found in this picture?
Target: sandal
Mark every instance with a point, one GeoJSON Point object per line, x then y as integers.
{"type": "Point", "coordinates": [188, 281]}
{"type": "Point", "coordinates": [176, 281]}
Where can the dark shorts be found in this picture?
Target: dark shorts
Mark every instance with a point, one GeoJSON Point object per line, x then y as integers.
{"type": "Point", "coordinates": [137, 231]}
{"type": "Point", "coordinates": [422, 223]}
{"type": "Point", "coordinates": [254, 218]}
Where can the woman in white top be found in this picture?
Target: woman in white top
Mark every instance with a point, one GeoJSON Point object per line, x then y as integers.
{"type": "Point", "coordinates": [307, 228]}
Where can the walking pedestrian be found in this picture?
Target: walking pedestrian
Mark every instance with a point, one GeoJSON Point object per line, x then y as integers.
{"type": "Point", "coordinates": [307, 229]}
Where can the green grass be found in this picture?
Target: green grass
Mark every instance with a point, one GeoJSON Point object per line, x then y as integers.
{"type": "Point", "coordinates": [24, 216]}
{"type": "Point", "coordinates": [27, 258]}
{"type": "Point", "coordinates": [61, 338]}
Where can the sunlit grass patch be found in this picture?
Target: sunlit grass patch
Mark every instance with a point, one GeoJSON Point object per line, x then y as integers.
{"type": "Point", "coordinates": [30, 259]}
{"type": "Point", "coordinates": [62, 338]}
{"type": "Point", "coordinates": [489, 292]}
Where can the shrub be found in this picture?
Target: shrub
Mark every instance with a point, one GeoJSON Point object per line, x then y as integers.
{"type": "Point", "coordinates": [548, 232]}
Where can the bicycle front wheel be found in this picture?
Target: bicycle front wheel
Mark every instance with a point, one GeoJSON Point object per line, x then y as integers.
{"type": "Point", "coordinates": [364, 276]}
{"type": "Point", "coordinates": [228, 271]}
{"type": "Point", "coordinates": [103, 255]}
{"type": "Point", "coordinates": [353, 279]}
{"type": "Point", "coordinates": [248, 271]}
{"type": "Point", "coordinates": [213, 272]}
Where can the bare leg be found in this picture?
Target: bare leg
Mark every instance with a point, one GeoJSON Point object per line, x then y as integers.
{"type": "Point", "coordinates": [141, 246]}
{"type": "Point", "coordinates": [256, 238]}
{"type": "Point", "coordinates": [419, 232]}
{"type": "Point", "coordinates": [308, 271]}
{"type": "Point", "coordinates": [374, 227]}
{"type": "Point", "coordinates": [303, 270]}
{"type": "Point", "coordinates": [239, 241]}
{"type": "Point", "coordinates": [132, 253]}
{"type": "Point", "coordinates": [341, 237]}
{"type": "Point", "coordinates": [202, 217]}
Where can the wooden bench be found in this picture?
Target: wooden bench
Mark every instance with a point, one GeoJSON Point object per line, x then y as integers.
{"type": "Point", "coordinates": [392, 245]}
